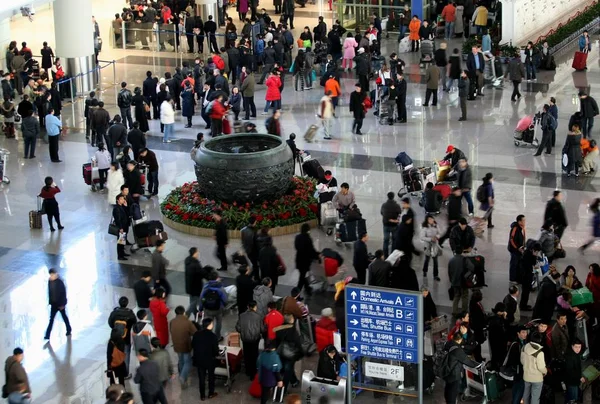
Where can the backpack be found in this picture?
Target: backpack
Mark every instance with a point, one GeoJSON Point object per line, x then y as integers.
{"type": "Point", "coordinates": [552, 124]}
{"type": "Point", "coordinates": [443, 370]}
{"type": "Point", "coordinates": [121, 327]}
{"type": "Point", "coordinates": [118, 357]}
{"type": "Point", "coordinates": [141, 340]}
{"type": "Point", "coordinates": [481, 194]}
{"type": "Point", "coordinates": [470, 277]}
{"type": "Point", "coordinates": [403, 159]}
{"type": "Point", "coordinates": [211, 299]}
{"type": "Point", "coordinates": [209, 107]}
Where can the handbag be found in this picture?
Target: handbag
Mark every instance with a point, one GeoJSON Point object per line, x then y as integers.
{"type": "Point", "coordinates": [287, 351]}
{"type": "Point", "coordinates": [41, 205]}
{"type": "Point", "coordinates": [281, 269]}
{"type": "Point", "coordinates": [113, 229]}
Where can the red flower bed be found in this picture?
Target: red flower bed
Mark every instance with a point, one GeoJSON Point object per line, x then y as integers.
{"type": "Point", "coordinates": [188, 206]}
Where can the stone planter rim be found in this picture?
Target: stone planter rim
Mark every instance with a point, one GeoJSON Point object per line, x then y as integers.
{"type": "Point", "coordinates": [282, 144]}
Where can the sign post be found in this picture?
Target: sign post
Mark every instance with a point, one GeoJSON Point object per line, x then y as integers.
{"type": "Point", "coordinates": [384, 324]}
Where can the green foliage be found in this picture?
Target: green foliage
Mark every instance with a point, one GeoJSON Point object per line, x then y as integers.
{"type": "Point", "coordinates": [572, 26]}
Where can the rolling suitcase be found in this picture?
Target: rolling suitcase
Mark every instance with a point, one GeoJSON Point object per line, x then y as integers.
{"type": "Point", "coordinates": [580, 60]}
{"type": "Point", "coordinates": [35, 219]}
{"type": "Point", "coordinates": [278, 394]}
{"type": "Point", "coordinates": [492, 386]}
{"type": "Point", "coordinates": [329, 214]}
{"type": "Point", "coordinates": [311, 133]}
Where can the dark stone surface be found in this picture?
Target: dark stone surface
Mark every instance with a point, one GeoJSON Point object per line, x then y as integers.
{"type": "Point", "coordinates": [244, 168]}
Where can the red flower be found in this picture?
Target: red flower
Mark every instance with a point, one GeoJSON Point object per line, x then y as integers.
{"type": "Point", "coordinates": [313, 207]}
{"type": "Point", "coordinates": [259, 218]}
{"type": "Point", "coordinates": [196, 216]}
{"type": "Point", "coordinates": [302, 212]}
{"type": "Point", "coordinates": [186, 217]}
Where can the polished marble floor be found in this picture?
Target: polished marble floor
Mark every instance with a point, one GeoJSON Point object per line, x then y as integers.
{"type": "Point", "coordinates": [71, 370]}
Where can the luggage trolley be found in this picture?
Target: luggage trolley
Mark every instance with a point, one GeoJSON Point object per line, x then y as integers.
{"type": "Point", "coordinates": [436, 332]}
{"type": "Point", "coordinates": [3, 165]}
{"type": "Point", "coordinates": [315, 389]}
{"type": "Point", "coordinates": [476, 384]}
{"type": "Point", "coordinates": [228, 362]}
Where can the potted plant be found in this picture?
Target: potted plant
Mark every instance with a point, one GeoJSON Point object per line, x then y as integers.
{"type": "Point", "coordinates": [507, 51]}
{"type": "Point", "coordinates": [468, 44]}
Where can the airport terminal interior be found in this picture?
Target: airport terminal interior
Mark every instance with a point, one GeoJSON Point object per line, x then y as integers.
{"type": "Point", "coordinates": [71, 369]}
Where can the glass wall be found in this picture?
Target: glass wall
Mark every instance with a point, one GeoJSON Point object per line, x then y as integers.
{"type": "Point", "coordinates": [357, 13]}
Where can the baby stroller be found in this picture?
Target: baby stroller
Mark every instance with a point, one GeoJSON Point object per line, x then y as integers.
{"type": "Point", "coordinates": [525, 131]}
{"type": "Point", "coordinates": [427, 49]}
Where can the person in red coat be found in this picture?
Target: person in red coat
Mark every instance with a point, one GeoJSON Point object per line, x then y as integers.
{"type": "Point", "coordinates": [273, 319]}
{"type": "Point", "coordinates": [324, 329]}
{"type": "Point", "coordinates": [592, 282]}
{"type": "Point", "coordinates": [273, 96]}
{"type": "Point", "coordinates": [216, 114]}
{"type": "Point", "coordinates": [159, 310]}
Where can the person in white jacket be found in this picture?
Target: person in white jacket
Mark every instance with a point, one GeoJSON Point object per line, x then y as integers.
{"type": "Point", "coordinates": [103, 160]}
{"type": "Point", "coordinates": [430, 234]}
{"type": "Point", "coordinates": [534, 369]}
{"type": "Point", "coordinates": [167, 118]}
{"type": "Point", "coordinates": [114, 182]}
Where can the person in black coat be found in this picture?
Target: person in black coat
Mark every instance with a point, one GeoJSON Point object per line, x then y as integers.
{"type": "Point", "coordinates": [475, 66]}
{"type": "Point", "coordinates": [133, 180]}
{"type": "Point", "coordinates": [546, 298]}
{"type": "Point", "coordinates": [573, 371]}
{"type": "Point", "coordinates": [456, 358]}
{"type": "Point", "coordinates": [429, 308]}
{"type": "Point", "coordinates": [149, 93]}
{"type": "Point", "coordinates": [454, 212]}
{"type": "Point", "coordinates": [357, 108]}
{"type": "Point", "coordinates": [57, 299]}
{"type": "Point", "coordinates": [137, 139]}
{"type": "Point", "coordinates": [245, 288]}
{"type": "Point", "coordinates": [361, 258]}
{"type": "Point", "coordinates": [221, 238]}
{"type": "Point", "coordinates": [498, 335]}
{"type": "Point", "coordinates": [205, 345]}
{"type": "Point", "coordinates": [328, 366]}
{"type": "Point", "coordinates": [305, 255]}
{"type": "Point", "coordinates": [527, 263]}
{"type": "Point", "coordinates": [404, 277]}
{"type": "Point", "coordinates": [404, 239]}
{"type": "Point", "coordinates": [268, 262]}
{"type": "Point", "coordinates": [194, 275]}
{"type": "Point", "coordinates": [117, 372]}
{"type": "Point", "coordinates": [139, 103]}
{"type": "Point", "coordinates": [555, 212]}
{"type": "Point", "coordinates": [401, 97]}
{"type": "Point", "coordinates": [120, 216]}
{"type": "Point", "coordinates": [477, 322]}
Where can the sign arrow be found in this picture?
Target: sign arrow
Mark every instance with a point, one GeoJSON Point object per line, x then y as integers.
{"type": "Point", "coordinates": [354, 322]}
{"type": "Point", "coordinates": [354, 335]}
{"type": "Point", "coordinates": [353, 294]}
{"type": "Point", "coordinates": [354, 349]}
{"type": "Point", "coordinates": [353, 307]}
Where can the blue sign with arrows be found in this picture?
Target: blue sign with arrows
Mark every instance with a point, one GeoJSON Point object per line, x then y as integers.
{"type": "Point", "coordinates": [382, 323]}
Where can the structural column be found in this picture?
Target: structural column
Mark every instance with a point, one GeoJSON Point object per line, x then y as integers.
{"type": "Point", "coordinates": [74, 35]}
{"type": "Point", "coordinates": [4, 41]}
{"type": "Point", "coordinates": [508, 22]}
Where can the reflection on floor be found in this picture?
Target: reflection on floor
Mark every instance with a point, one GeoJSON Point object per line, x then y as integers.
{"type": "Point", "coordinates": [72, 370]}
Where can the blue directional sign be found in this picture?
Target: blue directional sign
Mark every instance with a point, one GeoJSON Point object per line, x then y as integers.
{"type": "Point", "coordinates": [382, 323]}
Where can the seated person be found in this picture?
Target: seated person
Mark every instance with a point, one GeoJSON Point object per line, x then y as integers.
{"type": "Point", "coordinates": [590, 155]}
{"type": "Point", "coordinates": [353, 214]}
{"type": "Point", "coordinates": [432, 199]}
{"type": "Point", "coordinates": [344, 199]}
{"type": "Point", "coordinates": [327, 188]}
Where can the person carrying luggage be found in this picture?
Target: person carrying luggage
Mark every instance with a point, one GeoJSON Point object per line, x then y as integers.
{"type": "Point", "coordinates": [534, 369]}
{"type": "Point", "coordinates": [269, 367]}
{"type": "Point", "coordinates": [555, 212]}
{"type": "Point", "coordinates": [344, 198]}
{"type": "Point", "coordinates": [589, 109]}
{"type": "Point", "coordinates": [452, 367]}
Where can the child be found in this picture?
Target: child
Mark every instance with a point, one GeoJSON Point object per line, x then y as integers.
{"type": "Point", "coordinates": [430, 235]}
{"type": "Point", "coordinates": [142, 332]}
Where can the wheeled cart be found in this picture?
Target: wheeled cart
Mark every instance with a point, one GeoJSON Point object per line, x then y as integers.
{"type": "Point", "coordinates": [316, 389]}
{"type": "Point", "coordinates": [228, 364]}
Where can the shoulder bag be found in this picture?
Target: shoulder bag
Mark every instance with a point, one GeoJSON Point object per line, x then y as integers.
{"type": "Point", "coordinates": [113, 229]}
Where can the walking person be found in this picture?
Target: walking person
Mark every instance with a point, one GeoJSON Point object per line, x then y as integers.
{"type": "Point", "coordinates": [305, 255]}
{"type": "Point", "coordinates": [148, 377]}
{"type": "Point", "coordinates": [441, 61]}
{"type": "Point", "coordinates": [160, 311]}
{"type": "Point", "coordinates": [475, 67]}
{"type": "Point", "coordinates": [49, 203]}
{"type": "Point", "coordinates": [247, 88]}
{"type": "Point", "coordinates": [573, 150]}
{"type": "Point", "coordinates": [357, 107]}
{"type": "Point", "coordinates": [194, 277]}
{"type": "Point", "coordinates": [137, 140]}
{"type": "Point", "coordinates": [121, 320]}
{"type": "Point", "coordinates": [589, 109]}
{"type": "Point", "coordinates": [222, 239]}
{"type": "Point", "coordinates": [516, 248]}
{"type": "Point", "coordinates": [30, 128]}
{"type": "Point", "coordinates": [213, 301]}
{"type": "Point", "coordinates": [465, 183]}
{"type": "Point", "coordinates": [116, 358]}
{"type": "Point", "coordinates": [148, 157]}
{"type": "Point", "coordinates": [287, 335]}
{"type": "Point", "coordinates": [487, 203]}
{"type": "Point", "coordinates": [390, 212]}
{"type": "Point", "coordinates": [548, 124]}
{"type": "Point", "coordinates": [159, 267]}
{"type": "Point", "coordinates": [454, 70]}
{"type": "Point", "coordinates": [457, 266]}
{"type": "Point", "coordinates": [103, 160]}
{"type": "Point", "coordinates": [432, 77]}
{"type": "Point", "coordinates": [449, 16]}
{"type": "Point", "coordinates": [326, 113]}
{"type": "Point", "coordinates": [187, 102]}
{"type": "Point", "coordinates": [167, 118]}
{"type": "Point", "coordinates": [269, 368]}
{"type": "Point", "coordinates": [430, 235]}
{"type": "Point", "coordinates": [595, 209]}
{"type": "Point", "coordinates": [57, 299]}
{"type": "Point", "coordinates": [206, 349]}
{"type": "Point", "coordinates": [554, 112]}
{"type": "Point", "coordinates": [124, 99]}
{"type": "Point", "coordinates": [463, 94]}
{"type": "Point", "coordinates": [456, 359]}
{"type": "Point", "coordinates": [251, 328]}
{"type": "Point", "coordinates": [16, 376]}
{"type": "Point", "coordinates": [516, 73]}
{"type": "Point", "coordinates": [401, 87]}
{"type": "Point", "coordinates": [182, 332]}
{"type": "Point", "coordinates": [120, 218]}
{"type": "Point", "coordinates": [555, 213]}
{"type": "Point", "coordinates": [116, 137]}
{"type": "Point", "coordinates": [250, 245]}
{"type": "Point", "coordinates": [53, 130]}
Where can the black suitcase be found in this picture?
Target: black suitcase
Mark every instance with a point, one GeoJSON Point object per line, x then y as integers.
{"type": "Point", "coordinates": [412, 180]}
{"type": "Point", "coordinates": [148, 228]}
{"type": "Point", "coordinates": [349, 231]}
{"type": "Point", "coordinates": [312, 168]}
{"type": "Point", "coordinates": [428, 373]}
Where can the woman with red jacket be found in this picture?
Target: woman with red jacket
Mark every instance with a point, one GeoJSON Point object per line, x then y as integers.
{"type": "Point", "coordinates": [49, 205]}
{"type": "Point", "coordinates": [159, 311]}
{"type": "Point", "coordinates": [273, 96]}
{"type": "Point", "coordinates": [217, 112]}
{"type": "Point", "coordinates": [592, 282]}
{"type": "Point", "coordinates": [324, 329]}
